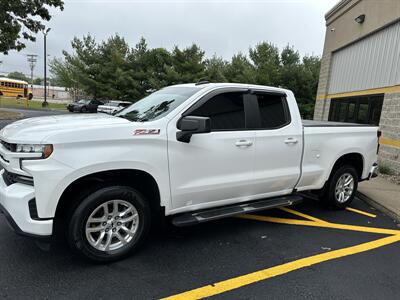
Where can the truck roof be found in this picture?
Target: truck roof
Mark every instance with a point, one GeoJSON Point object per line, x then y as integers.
{"type": "Point", "coordinates": [239, 85]}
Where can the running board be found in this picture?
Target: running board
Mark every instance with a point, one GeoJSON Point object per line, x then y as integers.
{"type": "Point", "coordinates": [188, 219]}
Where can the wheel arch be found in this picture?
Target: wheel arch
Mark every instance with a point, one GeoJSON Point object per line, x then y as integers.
{"type": "Point", "coordinates": [81, 187]}
{"type": "Point", "coordinates": [354, 159]}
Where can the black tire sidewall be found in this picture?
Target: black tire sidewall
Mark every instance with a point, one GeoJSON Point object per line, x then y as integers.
{"type": "Point", "coordinates": [332, 186]}
{"type": "Point", "coordinates": [76, 230]}
{"type": "Point", "coordinates": [83, 109]}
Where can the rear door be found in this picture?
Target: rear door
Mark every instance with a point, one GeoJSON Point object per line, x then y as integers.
{"type": "Point", "coordinates": [278, 146]}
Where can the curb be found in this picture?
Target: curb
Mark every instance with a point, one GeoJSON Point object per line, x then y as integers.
{"type": "Point", "coordinates": [378, 206]}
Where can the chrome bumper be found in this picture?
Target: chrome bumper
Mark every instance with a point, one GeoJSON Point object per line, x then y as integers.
{"type": "Point", "coordinates": [373, 171]}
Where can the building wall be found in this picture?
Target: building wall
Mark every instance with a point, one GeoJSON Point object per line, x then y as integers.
{"type": "Point", "coordinates": [343, 36]}
{"type": "Point", "coordinates": [342, 30]}
{"type": "Point", "coordinates": [390, 127]}
{"type": "Point", "coordinates": [60, 93]}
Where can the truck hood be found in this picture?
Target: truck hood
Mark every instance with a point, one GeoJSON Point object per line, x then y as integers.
{"type": "Point", "coordinates": [36, 129]}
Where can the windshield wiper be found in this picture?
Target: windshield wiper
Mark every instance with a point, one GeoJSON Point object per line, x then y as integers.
{"type": "Point", "coordinates": [124, 117]}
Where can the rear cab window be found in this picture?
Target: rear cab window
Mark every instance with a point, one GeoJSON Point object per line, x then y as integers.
{"type": "Point", "coordinates": [273, 110]}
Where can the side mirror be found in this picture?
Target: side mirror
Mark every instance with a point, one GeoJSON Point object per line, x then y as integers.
{"type": "Point", "coordinates": [190, 125]}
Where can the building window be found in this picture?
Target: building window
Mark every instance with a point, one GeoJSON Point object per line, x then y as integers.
{"type": "Point", "coordinates": [363, 109]}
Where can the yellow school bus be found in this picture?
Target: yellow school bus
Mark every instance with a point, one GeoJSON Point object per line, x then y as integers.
{"type": "Point", "coordinates": [14, 88]}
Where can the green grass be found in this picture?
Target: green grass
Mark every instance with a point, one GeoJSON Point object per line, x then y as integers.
{"type": "Point", "coordinates": [23, 103]}
{"type": "Point", "coordinates": [384, 169]}
{"type": "Point", "coordinates": [10, 115]}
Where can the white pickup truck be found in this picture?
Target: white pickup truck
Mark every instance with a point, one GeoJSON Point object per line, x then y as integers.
{"type": "Point", "coordinates": [195, 152]}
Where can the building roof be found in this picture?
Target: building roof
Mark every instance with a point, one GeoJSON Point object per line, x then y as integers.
{"type": "Point", "coordinates": [336, 8]}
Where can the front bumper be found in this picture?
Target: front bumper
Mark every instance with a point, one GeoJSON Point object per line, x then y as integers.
{"type": "Point", "coordinates": [14, 205]}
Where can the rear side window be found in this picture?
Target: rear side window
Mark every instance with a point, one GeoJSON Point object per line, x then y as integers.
{"type": "Point", "coordinates": [225, 110]}
{"type": "Point", "coordinates": [273, 111]}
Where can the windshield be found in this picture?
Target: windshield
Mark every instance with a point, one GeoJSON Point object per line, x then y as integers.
{"type": "Point", "coordinates": [83, 101]}
{"type": "Point", "coordinates": [157, 104]}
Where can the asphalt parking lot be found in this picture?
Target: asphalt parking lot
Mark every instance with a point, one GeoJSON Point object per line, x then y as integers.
{"type": "Point", "coordinates": [301, 252]}
{"type": "Point", "coordinates": [279, 255]}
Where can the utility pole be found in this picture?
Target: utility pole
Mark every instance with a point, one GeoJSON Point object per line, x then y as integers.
{"type": "Point", "coordinates": [32, 59]}
{"type": "Point", "coordinates": [45, 32]}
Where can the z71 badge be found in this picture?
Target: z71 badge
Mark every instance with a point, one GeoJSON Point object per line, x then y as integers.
{"type": "Point", "coordinates": [146, 131]}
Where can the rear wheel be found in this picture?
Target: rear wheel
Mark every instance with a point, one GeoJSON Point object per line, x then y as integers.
{"type": "Point", "coordinates": [83, 109]}
{"type": "Point", "coordinates": [109, 224]}
{"type": "Point", "coordinates": [341, 187]}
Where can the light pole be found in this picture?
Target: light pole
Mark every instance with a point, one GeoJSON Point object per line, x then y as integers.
{"type": "Point", "coordinates": [32, 58]}
{"type": "Point", "coordinates": [45, 32]}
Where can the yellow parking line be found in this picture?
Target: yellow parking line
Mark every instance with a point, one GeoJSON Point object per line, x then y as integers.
{"type": "Point", "coordinates": [360, 212]}
{"type": "Point", "coordinates": [319, 224]}
{"type": "Point", "coordinates": [297, 213]}
{"type": "Point", "coordinates": [237, 282]}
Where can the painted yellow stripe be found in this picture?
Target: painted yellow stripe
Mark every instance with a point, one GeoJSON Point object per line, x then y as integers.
{"type": "Point", "coordinates": [384, 90]}
{"type": "Point", "coordinates": [297, 213]}
{"type": "Point", "coordinates": [389, 142]}
{"type": "Point", "coordinates": [319, 224]}
{"type": "Point", "coordinates": [237, 282]}
{"type": "Point", "coordinates": [360, 212]}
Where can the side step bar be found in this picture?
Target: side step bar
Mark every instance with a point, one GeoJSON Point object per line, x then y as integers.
{"type": "Point", "coordinates": [188, 219]}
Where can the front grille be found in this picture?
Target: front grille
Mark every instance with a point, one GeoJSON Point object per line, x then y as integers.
{"type": "Point", "coordinates": [11, 178]}
{"type": "Point", "coordinates": [9, 146]}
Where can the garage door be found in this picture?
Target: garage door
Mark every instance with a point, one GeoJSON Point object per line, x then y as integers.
{"type": "Point", "coordinates": [372, 62]}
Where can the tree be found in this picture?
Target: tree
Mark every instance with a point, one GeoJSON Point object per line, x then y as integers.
{"type": "Point", "coordinates": [21, 19]}
{"type": "Point", "coordinates": [215, 69]}
{"type": "Point", "coordinates": [187, 65]}
{"type": "Point", "coordinates": [18, 76]}
{"type": "Point", "coordinates": [113, 70]}
{"type": "Point", "coordinates": [265, 57]}
{"type": "Point", "coordinates": [290, 70]}
{"type": "Point", "coordinates": [38, 81]}
{"type": "Point", "coordinates": [240, 70]}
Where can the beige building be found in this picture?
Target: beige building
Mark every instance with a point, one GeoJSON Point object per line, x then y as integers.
{"type": "Point", "coordinates": [360, 70]}
{"type": "Point", "coordinates": [53, 92]}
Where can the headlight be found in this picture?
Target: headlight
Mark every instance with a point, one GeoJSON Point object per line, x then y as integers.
{"type": "Point", "coordinates": [46, 150]}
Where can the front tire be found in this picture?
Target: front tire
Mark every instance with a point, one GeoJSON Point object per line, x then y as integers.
{"type": "Point", "coordinates": [341, 187]}
{"type": "Point", "coordinates": [109, 224]}
{"type": "Point", "coordinates": [83, 109]}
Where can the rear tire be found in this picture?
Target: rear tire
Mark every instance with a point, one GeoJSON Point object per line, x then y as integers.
{"type": "Point", "coordinates": [109, 224]}
{"type": "Point", "coordinates": [341, 187]}
{"type": "Point", "coordinates": [83, 110]}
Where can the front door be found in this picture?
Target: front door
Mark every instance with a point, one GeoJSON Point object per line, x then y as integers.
{"type": "Point", "coordinates": [214, 168]}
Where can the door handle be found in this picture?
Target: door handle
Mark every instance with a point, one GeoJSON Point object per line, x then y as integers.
{"type": "Point", "coordinates": [291, 141]}
{"type": "Point", "coordinates": [243, 143]}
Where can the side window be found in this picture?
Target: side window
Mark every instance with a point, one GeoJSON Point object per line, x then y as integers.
{"type": "Point", "coordinates": [273, 111]}
{"type": "Point", "coordinates": [225, 110]}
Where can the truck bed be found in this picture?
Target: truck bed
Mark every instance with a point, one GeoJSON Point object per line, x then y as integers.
{"type": "Point", "coordinates": [313, 123]}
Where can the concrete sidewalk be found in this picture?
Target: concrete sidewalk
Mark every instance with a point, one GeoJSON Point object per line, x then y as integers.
{"type": "Point", "coordinates": [381, 194]}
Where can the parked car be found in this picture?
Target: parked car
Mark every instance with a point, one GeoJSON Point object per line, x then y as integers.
{"type": "Point", "coordinates": [113, 106]}
{"type": "Point", "coordinates": [193, 152]}
{"type": "Point", "coordinates": [84, 106]}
